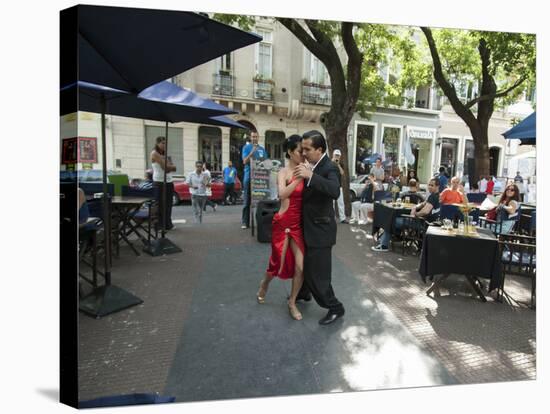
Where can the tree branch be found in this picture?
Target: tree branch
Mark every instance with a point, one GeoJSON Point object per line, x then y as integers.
{"type": "Point", "coordinates": [303, 36]}
{"type": "Point", "coordinates": [355, 60]}
{"type": "Point", "coordinates": [497, 94]}
{"type": "Point", "coordinates": [448, 88]}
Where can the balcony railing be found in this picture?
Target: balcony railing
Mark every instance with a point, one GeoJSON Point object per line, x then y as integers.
{"type": "Point", "coordinates": [313, 93]}
{"type": "Point", "coordinates": [263, 89]}
{"type": "Point", "coordinates": [223, 84]}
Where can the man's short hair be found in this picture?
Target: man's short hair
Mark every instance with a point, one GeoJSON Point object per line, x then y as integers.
{"type": "Point", "coordinates": [198, 162]}
{"type": "Point", "coordinates": [442, 169]}
{"type": "Point", "coordinates": [436, 181]}
{"type": "Point", "coordinates": [317, 140]}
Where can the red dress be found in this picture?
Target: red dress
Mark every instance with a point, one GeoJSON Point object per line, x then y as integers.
{"type": "Point", "coordinates": [285, 226]}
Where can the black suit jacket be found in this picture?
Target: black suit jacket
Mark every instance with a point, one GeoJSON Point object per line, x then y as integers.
{"type": "Point", "coordinates": [317, 209]}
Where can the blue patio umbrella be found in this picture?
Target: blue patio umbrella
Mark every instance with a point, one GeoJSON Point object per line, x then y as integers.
{"type": "Point", "coordinates": [131, 49]}
{"type": "Point", "coordinates": [526, 131]}
{"type": "Point", "coordinates": [162, 102]}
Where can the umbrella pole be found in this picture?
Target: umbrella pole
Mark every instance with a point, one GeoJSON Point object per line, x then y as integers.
{"type": "Point", "coordinates": [106, 196]}
{"type": "Point", "coordinates": [164, 181]}
{"type": "Point", "coordinates": [108, 298]}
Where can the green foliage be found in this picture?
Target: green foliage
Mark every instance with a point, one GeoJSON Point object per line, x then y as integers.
{"type": "Point", "coordinates": [393, 49]}
{"type": "Point", "coordinates": [512, 57]}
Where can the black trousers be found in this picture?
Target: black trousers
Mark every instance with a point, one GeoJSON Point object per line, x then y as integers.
{"type": "Point", "coordinates": [229, 191]}
{"type": "Point", "coordinates": [318, 278]}
{"type": "Point", "coordinates": [165, 212]}
{"type": "Point", "coordinates": [210, 203]}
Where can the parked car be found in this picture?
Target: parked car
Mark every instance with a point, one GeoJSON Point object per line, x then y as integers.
{"type": "Point", "coordinates": [181, 189]}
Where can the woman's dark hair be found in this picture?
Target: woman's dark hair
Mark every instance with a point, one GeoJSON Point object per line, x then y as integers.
{"type": "Point", "coordinates": [291, 143]}
{"type": "Point", "coordinates": [157, 142]}
{"type": "Point", "coordinates": [317, 140]}
{"type": "Point", "coordinates": [504, 198]}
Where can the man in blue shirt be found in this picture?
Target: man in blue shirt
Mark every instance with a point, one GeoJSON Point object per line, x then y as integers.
{"type": "Point", "coordinates": [254, 151]}
{"type": "Point", "coordinates": [443, 180]}
{"type": "Point", "coordinates": [229, 174]}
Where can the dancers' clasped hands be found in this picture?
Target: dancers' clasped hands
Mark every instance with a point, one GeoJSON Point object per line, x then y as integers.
{"type": "Point", "coordinates": [303, 170]}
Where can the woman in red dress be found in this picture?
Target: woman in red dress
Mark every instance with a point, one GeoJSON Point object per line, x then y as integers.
{"type": "Point", "coordinates": [287, 241]}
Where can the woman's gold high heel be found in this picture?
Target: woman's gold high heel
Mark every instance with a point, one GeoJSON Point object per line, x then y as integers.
{"type": "Point", "coordinates": [294, 312]}
{"type": "Point", "coordinates": [260, 296]}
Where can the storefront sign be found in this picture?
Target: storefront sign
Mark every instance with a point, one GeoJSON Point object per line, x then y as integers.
{"type": "Point", "coordinates": [421, 133]}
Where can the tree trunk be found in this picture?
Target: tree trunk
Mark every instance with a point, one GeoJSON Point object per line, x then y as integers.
{"type": "Point", "coordinates": [337, 138]}
{"type": "Point", "coordinates": [481, 153]}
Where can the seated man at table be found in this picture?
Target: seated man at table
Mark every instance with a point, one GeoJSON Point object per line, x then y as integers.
{"type": "Point", "coordinates": [452, 194]}
{"type": "Point", "coordinates": [427, 209]}
{"type": "Point", "coordinates": [412, 192]}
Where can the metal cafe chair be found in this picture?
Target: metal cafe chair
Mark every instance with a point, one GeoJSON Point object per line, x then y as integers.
{"type": "Point", "coordinates": [477, 198]}
{"type": "Point", "coordinates": [412, 232]}
{"type": "Point", "coordinates": [518, 257]}
{"type": "Point", "coordinates": [447, 211]}
{"type": "Point", "coordinates": [528, 223]}
{"type": "Point", "coordinates": [144, 223]}
{"type": "Point", "coordinates": [381, 195]}
{"type": "Point", "coordinates": [500, 226]}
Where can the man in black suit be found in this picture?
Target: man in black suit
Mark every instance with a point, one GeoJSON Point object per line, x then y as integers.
{"type": "Point", "coordinates": [322, 187]}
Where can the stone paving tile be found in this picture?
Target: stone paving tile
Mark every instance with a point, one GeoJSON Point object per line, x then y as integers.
{"type": "Point", "coordinates": [477, 342]}
{"type": "Point", "coordinates": [133, 350]}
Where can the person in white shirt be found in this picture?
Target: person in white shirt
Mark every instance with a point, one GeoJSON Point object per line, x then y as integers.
{"type": "Point", "coordinates": [159, 167]}
{"type": "Point", "coordinates": [198, 180]}
{"type": "Point", "coordinates": [483, 185]}
{"type": "Point", "coordinates": [336, 154]}
{"type": "Point", "coordinates": [208, 202]}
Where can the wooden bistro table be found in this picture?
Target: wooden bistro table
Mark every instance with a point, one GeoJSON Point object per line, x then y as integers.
{"type": "Point", "coordinates": [124, 207]}
{"type": "Point", "coordinates": [474, 254]}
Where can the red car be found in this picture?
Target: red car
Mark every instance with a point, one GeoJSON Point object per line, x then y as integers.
{"type": "Point", "coordinates": [181, 189]}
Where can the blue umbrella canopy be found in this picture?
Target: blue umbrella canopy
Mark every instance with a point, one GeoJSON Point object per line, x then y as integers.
{"type": "Point", "coordinates": [164, 101]}
{"type": "Point", "coordinates": [526, 130]}
{"type": "Point", "coordinates": [131, 49]}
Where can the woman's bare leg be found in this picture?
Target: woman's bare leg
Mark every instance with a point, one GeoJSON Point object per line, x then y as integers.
{"type": "Point", "coordinates": [297, 280]}
{"type": "Point", "coordinates": [260, 296]}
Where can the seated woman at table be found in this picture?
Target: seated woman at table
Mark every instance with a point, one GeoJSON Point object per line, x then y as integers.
{"type": "Point", "coordinates": [360, 210]}
{"type": "Point", "coordinates": [508, 204]}
{"type": "Point", "coordinates": [452, 194]}
{"type": "Point", "coordinates": [428, 210]}
{"type": "Point", "coordinates": [412, 192]}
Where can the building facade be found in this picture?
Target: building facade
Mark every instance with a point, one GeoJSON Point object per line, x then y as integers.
{"type": "Point", "coordinates": [279, 88]}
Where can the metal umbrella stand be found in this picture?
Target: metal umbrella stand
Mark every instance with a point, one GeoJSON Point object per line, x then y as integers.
{"type": "Point", "coordinates": [108, 298]}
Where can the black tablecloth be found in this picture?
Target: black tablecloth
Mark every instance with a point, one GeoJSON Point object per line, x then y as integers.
{"type": "Point", "coordinates": [384, 216]}
{"type": "Point", "coordinates": [443, 252]}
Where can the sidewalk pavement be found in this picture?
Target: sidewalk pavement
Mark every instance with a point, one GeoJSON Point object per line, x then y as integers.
{"type": "Point", "coordinates": [200, 335]}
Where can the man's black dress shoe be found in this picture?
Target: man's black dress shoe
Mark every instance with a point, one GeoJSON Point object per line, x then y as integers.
{"type": "Point", "coordinates": [331, 317]}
